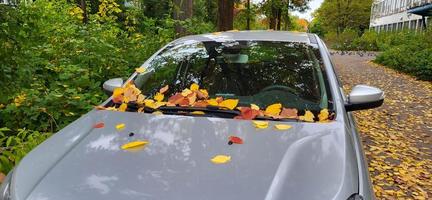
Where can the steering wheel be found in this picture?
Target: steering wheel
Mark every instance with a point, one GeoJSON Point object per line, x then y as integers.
{"type": "Point", "coordinates": [279, 87]}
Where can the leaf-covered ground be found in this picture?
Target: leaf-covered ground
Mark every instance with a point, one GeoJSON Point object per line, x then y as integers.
{"type": "Point", "coordinates": [397, 137]}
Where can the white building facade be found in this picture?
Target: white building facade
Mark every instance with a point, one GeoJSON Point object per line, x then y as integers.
{"type": "Point", "coordinates": [396, 15]}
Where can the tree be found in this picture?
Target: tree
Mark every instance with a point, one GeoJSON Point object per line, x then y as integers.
{"type": "Point", "coordinates": [278, 11]}
{"type": "Point", "coordinates": [338, 15]}
{"type": "Point", "coordinates": [182, 11]}
{"type": "Point", "coordinates": [225, 15]}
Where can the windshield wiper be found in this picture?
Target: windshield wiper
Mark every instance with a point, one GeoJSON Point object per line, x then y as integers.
{"type": "Point", "coordinates": [209, 110]}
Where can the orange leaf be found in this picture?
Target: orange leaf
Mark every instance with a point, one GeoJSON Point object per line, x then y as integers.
{"type": "Point", "coordinates": [164, 89]}
{"type": "Point", "coordinates": [200, 104]}
{"type": "Point", "coordinates": [247, 113]}
{"type": "Point", "coordinates": [99, 125]}
{"type": "Point", "coordinates": [235, 140]}
{"type": "Point", "coordinates": [202, 94]}
{"type": "Point", "coordinates": [176, 99]}
{"type": "Point", "coordinates": [289, 113]}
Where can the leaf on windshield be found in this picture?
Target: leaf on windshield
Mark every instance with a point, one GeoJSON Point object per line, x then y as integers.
{"type": "Point", "coordinates": [202, 93]}
{"type": "Point", "coordinates": [159, 97]}
{"type": "Point", "coordinates": [186, 92]}
{"type": "Point", "coordinates": [122, 107]}
{"type": "Point", "coordinates": [212, 102]}
{"type": "Point", "coordinates": [221, 159]}
{"type": "Point", "coordinates": [120, 126]}
{"type": "Point", "coordinates": [255, 107]}
{"type": "Point", "coordinates": [99, 125]}
{"type": "Point", "coordinates": [117, 95]}
{"type": "Point", "coordinates": [229, 103]}
{"type": "Point", "coordinates": [194, 87]}
{"type": "Point", "coordinates": [234, 140]}
{"type": "Point", "coordinates": [201, 104]}
{"type": "Point", "coordinates": [289, 113]}
{"type": "Point", "coordinates": [192, 98]}
{"type": "Point", "coordinates": [164, 89]}
{"type": "Point", "coordinates": [260, 124]}
{"type": "Point", "coordinates": [133, 144]}
{"type": "Point", "coordinates": [175, 99]}
{"type": "Point", "coordinates": [323, 115]}
{"type": "Point", "coordinates": [157, 113]}
{"type": "Point", "coordinates": [282, 126]}
{"type": "Point", "coordinates": [197, 112]}
{"type": "Point", "coordinates": [140, 70]}
{"type": "Point", "coordinates": [273, 110]}
{"type": "Point", "coordinates": [308, 116]}
{"type": "Point", "coordinates": [247, 113]}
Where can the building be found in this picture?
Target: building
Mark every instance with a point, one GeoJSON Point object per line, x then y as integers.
{"type": "Point", "coordinates": [395, 15]}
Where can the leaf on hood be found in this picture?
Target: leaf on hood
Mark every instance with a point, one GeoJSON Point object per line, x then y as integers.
{"type": "Point", "coordinates": [221, 159]}
{"type": "Point", "coordinates": [176, 99]}
{"type": "Point", "coordinates": [212, 102]}
{"type": "Point", "coordinates": [100, 107]}
{"type": "Point", "coordinates": [164, 89]}
{"type": "Point", "coordinates": [120, 126]}
{"type": "Point", "coordinates": [200, 104]}
{"type": "Point", "coordinates": [194, 87]}
{"type": "Point", "coordinates": [122, 107]}
{"type": "Point", "coordinates": [197, 113]}
{"type": "Point", "coordinates": [255, 107]}
{"type": "Point", "coordinates": [99, 125]}
{"type": "Point", "coordinates": [282, 126]}
{"type": "Point", "coordinates": [157, 113]}
{"type": "Point", "coordinates": [159, 97]}
{"type": "Point", "coordinates": [133, 144]}
{"type": "Point", "coordinates": [274, 109]}
{"type": "Point", "coordinates": [247, 113]}
{"type": "Point", "coordinates": [307, 117]}
{"type": "Point", "coordinates": [192, 98]}
{"type": "Point", "coordinates": [140, 70]}
{"type": "Point", "coordinates": [289, 113]}
{"type": "Point", "coordinates": [260, 124]}
{"type": "Point", "coordinates": [229, 103]}
{"type": "Point", "coordinates": [235, 140]}
{"type": "Point", "coordinates": [186, 92]}
{"type": "Point", "coordinates": [323, 115]}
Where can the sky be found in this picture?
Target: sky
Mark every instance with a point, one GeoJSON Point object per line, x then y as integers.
{"type": "Point", "coordinates": [314, 4]}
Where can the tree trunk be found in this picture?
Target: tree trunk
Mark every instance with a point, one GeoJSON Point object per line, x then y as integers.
{"type": "Point", "coordinates": [248, 15]}
{"type": "Point", "coordinates": [84, 8]}
{"type": "Point", "coordinates": [225, 15]}
{"type": "Point", "coordinates": [273, 18]}
{"type": "Point", "coordinates": [279, 14]}
{"type": "Point", "coordinates": [182, 11]}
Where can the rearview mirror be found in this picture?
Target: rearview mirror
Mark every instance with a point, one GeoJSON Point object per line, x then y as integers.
{"type": "Point", "coordinates": [112, 84]}
{"type": "Point", "coordinates": [364, 97]}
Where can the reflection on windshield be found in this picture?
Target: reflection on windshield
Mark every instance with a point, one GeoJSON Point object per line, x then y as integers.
{"type": "Point", "coordinates": [255, 72]}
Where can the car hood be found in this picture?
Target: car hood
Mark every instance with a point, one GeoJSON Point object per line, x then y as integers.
{"type": "Point", "coordinates": [309, 161]}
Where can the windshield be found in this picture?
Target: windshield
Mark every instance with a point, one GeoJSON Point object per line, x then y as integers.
{"type": "Point", "coordinates": [254, 72]}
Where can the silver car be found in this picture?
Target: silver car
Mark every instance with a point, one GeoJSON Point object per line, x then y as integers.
{"type": "Point", "coordinates": [307, 160]}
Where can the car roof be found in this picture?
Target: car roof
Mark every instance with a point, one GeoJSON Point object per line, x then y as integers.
{"type": "Point", "coordinates": [269, 35]}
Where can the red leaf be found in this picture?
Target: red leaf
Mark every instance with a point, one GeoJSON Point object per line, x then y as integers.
{"type": "Point", "coordinates": [164, 89]}
{"type": "Point", "coordinates": [247, 113]}
{"type": "Point", "coordinates": [99, 125]}
{"type": "Point", "coordinates": [176, 99]}
{"type": "Point", "coordinates": [235, 140]}
{"type": "Point", "coordinates": [289, 113]}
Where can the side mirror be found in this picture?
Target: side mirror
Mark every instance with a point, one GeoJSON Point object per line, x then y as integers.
{"type": "Point", "coordinates": [112, 84]}
{"type": "Point", "coordinates": [364, 97]}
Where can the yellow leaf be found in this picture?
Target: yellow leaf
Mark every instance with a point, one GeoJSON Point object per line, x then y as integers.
{"type": "Point", "coordinates": [204, 91]}
{"type": "Point", "coordinates": [274, 109]}
{"type": "Point", "coordinates": [229, 103]}
{"type": "Point", "coordinates": [216, 33]}
{"type": "Point", "coordinates": [221, 159]}
{"type": "Point", "coordinates": [134, 144]}
{"type": "Point", "coordinates": [212, 102]}
{"type": "Point", "coordinates": [260, 124]}
{"type": "Point", "coordinates": [308, 116]}
{"type": "Point", "coordinates": [117, 92]}
{"type": "Point", "coordinates": [76, 97]}
{"type": "Point", "coordinates": [324, 114]}
{"type": "Point", "coordinates": [198, 113]}
{"type": "Point", "coordinates": [157, 113]}
{"type": "Point", "coordinates": [159, 97]}
{"type": "Point", "coordinates": [282, 126]}
{"type": "Point", "coordinates": [140, 70]}
{"type": "Point", "coordinates": [255, 107]}
{"type": "Point", "coordinates": [122, 107]}
{"type": "Point", "coordinates": [186, 92]}
{"type": "Point", "coordinates": [194, 87]}
{"type": "Point", "coordinates": [120, 126]}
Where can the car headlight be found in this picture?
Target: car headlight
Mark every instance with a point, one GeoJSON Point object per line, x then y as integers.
{"type": "Point", "coordinates": [5, 188]}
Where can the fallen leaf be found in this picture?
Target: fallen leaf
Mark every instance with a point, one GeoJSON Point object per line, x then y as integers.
{"type": "Point", "coordinates": [274, 109]}
{"type": "Point", "coordinates": [247, 113]}
{"type": "Point", "coordinates": [200, 104]}
{"type": "Point", "coordinates": [157, 113]}
{"type": "Point", "coordinates": [122, 107]}
{"type": "Point", "coordinates": [186, 92]}
{"type": "Point", "coordinates": [229, 103]}
{"type": "Point", "coordinates": [260, 124]}
{"type": "Point", "coordinates": [255, 107]}
{"type": "Point", "coordinates": [117, 96]}
{"type": "Point", "coordinates": [308, 116]}
{"type": "Point", "coordinates": [212, 102]}
{"type": "Point", "coordinates": [100, 108]}
{"type": "Point", "coordinates": [221, 159]}
{"type": "Point", "coordinates": [164, 89]}
{"type": "Point", "coordinates": [282, 126]}
{"type": "Point", "coordinates": [290, 113]}
{"type": "Point", "coordinates": [235, 140]}
{"type": "Point", "coordinates": [134, 144]}
{"type": "Point", "coordinates": [140, 70]}
{"type": "Point", "coordinates": [194, 87]}
{"type": "Point", "coordinates": [99, 125]}
{"type": "Point", "coordinates": [159, 97]}
{"type": "Point", "coordinates": [120, 126]}
{"type": "Point", "coordinates": [197, 113]}
{"type": "Point", "coordinates": [175, 99]}
{"type": "Point", "coordinates": [202, 93]}
{"type": "Point", "coordinates": [323, 115]}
